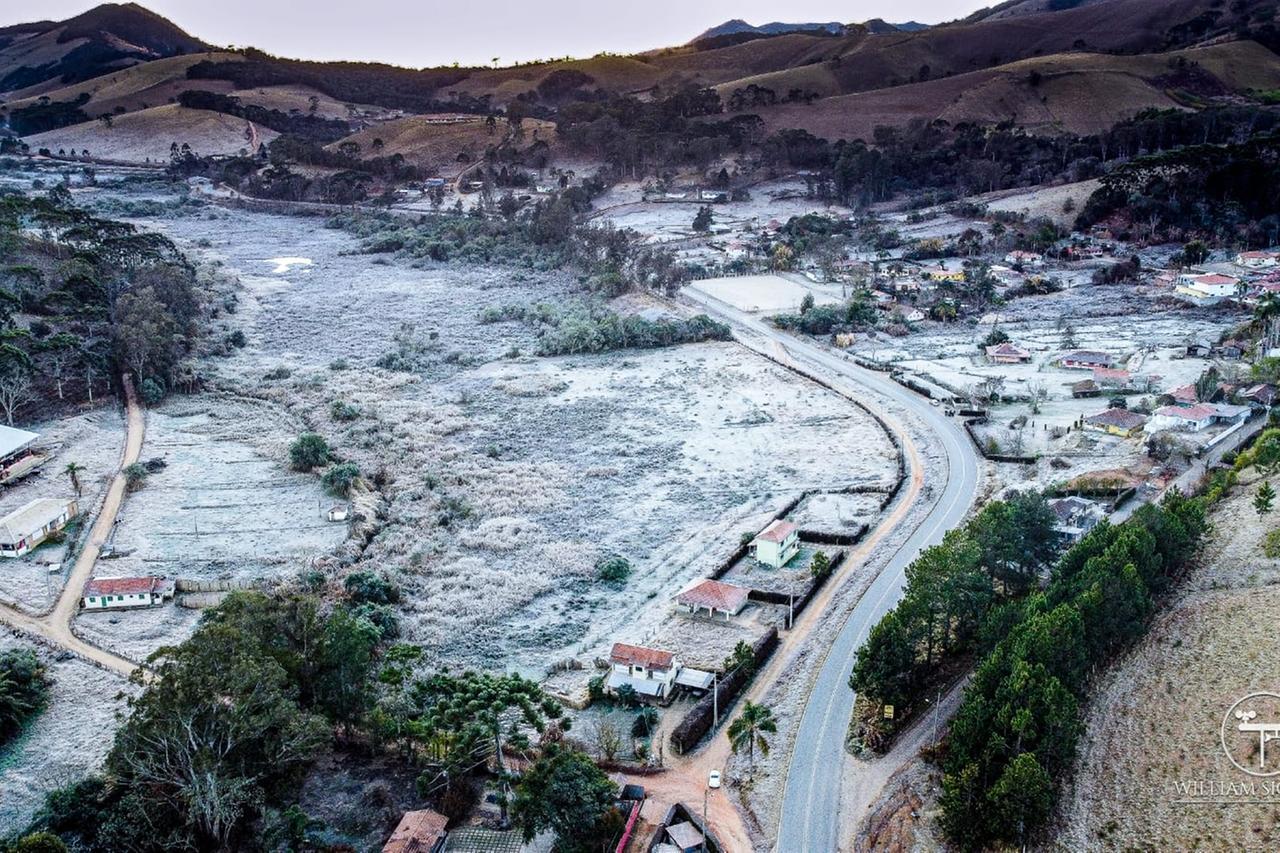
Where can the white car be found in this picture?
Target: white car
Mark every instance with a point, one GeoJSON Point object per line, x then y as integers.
{"type": "Point", "coordinates": [713, 779]}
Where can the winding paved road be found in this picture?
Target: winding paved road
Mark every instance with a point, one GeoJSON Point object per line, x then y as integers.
{"type": "Point", "coordinates": [810, 820]}
{"type": "Point", "coordinates": [55, 626]}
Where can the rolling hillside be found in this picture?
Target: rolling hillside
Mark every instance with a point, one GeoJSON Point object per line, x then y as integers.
{"type": "Point", "coordinates": [146, 135]}
{"type": "Point", "coordinates": [1075, 92]}
{"type": "Point", "coordinates": [47, 55]}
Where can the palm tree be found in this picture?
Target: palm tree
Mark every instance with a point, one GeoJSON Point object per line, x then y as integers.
{"type": "Point", "coordinates": [749, 731]}
{"type": "Point", "coordinates": [73, 471]}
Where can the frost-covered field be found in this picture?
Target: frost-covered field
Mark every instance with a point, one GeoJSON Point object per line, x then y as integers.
{"type": "Point", "coordinates": [65, 741]}
{"type": "Point", "coordinates": [505, 478]}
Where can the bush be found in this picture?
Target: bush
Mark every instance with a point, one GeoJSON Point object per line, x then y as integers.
{"type": "Point", "coordinates": [368, 588]}
{"type": "Point", "coordinates": [135, 476]}
{"type": "Point", "coordinates": [152, 391]}
{"type": "Point", "coordinates": [309, 451]}
{"type": "Point", "coordinates": [1271, 545]}
{"type": "Point", "coordinates": [278, 373]}
{"type": "Point", "coordinates": [339, 478]}
{"type": "Point", "coordinates": [342, 411]}
{"type": "Point", "coordinates": [613, 569]}
{"type": "Point", "coordinates": [237, 339]}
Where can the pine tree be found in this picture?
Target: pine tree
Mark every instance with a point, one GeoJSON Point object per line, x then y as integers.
{"type": "Point", "coordinates": [1265, 497]}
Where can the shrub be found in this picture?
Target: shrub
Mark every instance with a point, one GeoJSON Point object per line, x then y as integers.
{"type": "Point", "coordinates": [645, 722]}
{"type": "Point", "coordinates": [820, 565]}
{"type": "Point", "coordinates": [343, 411]}
{"type": "Point", "coordinates": [1271, 545]}
{"type": "Point", "coordinates": [628, 696]}
{"type": "Point", "coordinates": [339, 478]}
{"type": "Point", "coordinates": [613, 569]}
{"type": "Point", "coordinates": [309, 451]}
{"type": "Point", "coordinates": [369, 588]}
{"type": "Point", "coordinates": [278, 373]}
{"type": "Point", "coordinates": [152, 390]}
{"type": "Point", "coordinates": [135, 476]}
{"type": "Point", "coordinates": [338, 364]}
{"type": "Point", "coordinates": [237, 339]}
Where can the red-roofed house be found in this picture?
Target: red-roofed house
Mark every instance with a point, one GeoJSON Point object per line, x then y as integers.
{"type": "Point", "coordinates": [421, 831]}
{"type": "Point", "coordinates": [1185, 395]}
{"type": "Point", "coordinates": [1086, 360]}
{"type": "Point", "coordinates": [1189, 418]}
{"type": "Point", "coordinates": [714, 597]}
{"type": "Point", "coordinates": [124, 593]}
{"type": "Point", "coordinates": [650, 672]}
{"type": "Point", "coordinates": [1110, 377]}
{"type": "Point", "coordinates": [777, 544]}
{"type": "Point", "coordinates": [1007, 353]}
{"type": "Point", "coordinates": [1258, 260]}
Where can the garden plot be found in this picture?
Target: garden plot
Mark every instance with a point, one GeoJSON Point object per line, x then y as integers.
{"type": "Point", "coordinates": [93, 440]}
{"type": "Point", "coordinates": [65, 741]}
{"type": "Point", "coordinates": [837, 512]}
{"type": "Point", "coordinates": [219, 507]}
{"type": "Point", "coordinates": [762, 293]}
{"type": "Point", "coordinates": [703, 642]}
{"type": "Point", "coordinates": [794, 578]}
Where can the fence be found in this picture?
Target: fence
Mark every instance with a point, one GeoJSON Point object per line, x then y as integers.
{"type": "Point", "coordinates": [700, 719]}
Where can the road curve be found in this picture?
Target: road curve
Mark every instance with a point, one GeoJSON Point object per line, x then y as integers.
{"type": "Point", "coordinates": [811, 802]}
{"type": "Point", "coordinates": [55, 626]}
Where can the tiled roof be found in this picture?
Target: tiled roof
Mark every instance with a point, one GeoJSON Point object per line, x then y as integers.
{"type": "Point", "coordinates": [641, 656]}
{"type": "Point", "coordinates": [122, 586]}
{"type": "Point", "coordinates": [417, 832]}
{"type": "Point", "coordinates": [777, 531]}
{"type": "Point", "coordinates": [716, 595]}
{"type": "Point", "coordinates": [1122, 418]}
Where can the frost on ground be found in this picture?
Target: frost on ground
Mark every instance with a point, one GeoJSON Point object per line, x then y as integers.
{"type": "Point", "coordinates": [224, 507]}
{"type": "Point", "coordinates": [93, 440]}
{"type": "Point", "coordinates": [1155, 718]}
{"type": "Point", "coordinates": [504, 479]}
{"type": "Point", "coordinates": [67, 740]}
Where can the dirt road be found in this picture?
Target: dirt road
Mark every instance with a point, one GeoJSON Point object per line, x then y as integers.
{"type": "Point", "coordinates": [55, 626]}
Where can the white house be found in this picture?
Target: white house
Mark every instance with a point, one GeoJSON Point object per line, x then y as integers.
{"type": "Point", "coordinates": [1026, 259]}
{"type": "Point", "coordinates": [650, 672]}
{"type": "Point", "coordinates": [1258, 260]}
{"type": "Point", "coordinates": [16, 457]}
{"type": "Point", "coordinates": [125, 593]}
{"type": "Point", "coordinates": [24, 529]}
{"type": "Point", "coordinates": [1208, 286]}
{"type": "Point", "coordinates": [1196, 418]}
{"type": "Point", "coordinates": [777, 544]}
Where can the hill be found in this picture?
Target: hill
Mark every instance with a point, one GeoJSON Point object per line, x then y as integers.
{"type": "Point", "coordinates": [108, 37]}
{"type": "Point", "coordinates": [1073, 92]}
{"type": "Point", "coordinates": [446, 146]}
{"type": "Point", "coordinates": [147, 135]}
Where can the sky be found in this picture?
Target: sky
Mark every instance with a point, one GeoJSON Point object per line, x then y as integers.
{"type": "Point", "coordinates": [418, 33]}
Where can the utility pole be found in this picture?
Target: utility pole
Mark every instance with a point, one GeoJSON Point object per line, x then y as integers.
{"type": "Point", "coordinates": [706, 792]}
{"type": "Point", "coordinates": [715, 700]}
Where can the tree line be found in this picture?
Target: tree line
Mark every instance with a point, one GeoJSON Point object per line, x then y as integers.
{"type": "Point", "coordinates": [214, 748]}
{"type": "Point", "coordinates": [979, 593]}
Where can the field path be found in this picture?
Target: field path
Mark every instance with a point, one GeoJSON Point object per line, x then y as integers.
{"type": "Point", "coordinates": [55, 626]}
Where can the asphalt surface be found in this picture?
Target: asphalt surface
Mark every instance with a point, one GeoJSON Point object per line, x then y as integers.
{"type": "Point", "coordinates": [810, 820]}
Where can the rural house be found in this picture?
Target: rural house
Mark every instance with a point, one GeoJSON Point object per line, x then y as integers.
{"type": "Point", "coordinates": [1027, 259]}
{"type": "Point", "coordinates": [125, 593]}
{"type": "Point", "coordinates": [1211, 286]}
{"type": "Point", "coordinates": [1076, 517]}
{"type": "Point", "coordinates": [1258, 260]}
{"type": "Point", "coordinates": [777, 544]}
{"type": "Point", "coordinates": [1196, 418]}
{"type": "Point", "coordinates": [16, 458]}
{"type": "Point", "coordinates": [1110, 377]}
{"type": "Point", "coordinates": [24, 529]}
{"type": "Point", "coordinates": [1185, 395]}
{"type": "Point", "coordinates": [714, 597]}
{"type": "Point", "coordinates": [650, 672]}
{"type": "Point", "coordinates": [1086, 360]}
{"type": "Point", "coordinates": [1121, 422]}
{"type": "Point", "coordinates": [420, 831]}
{"type": "Point", "coordinates": [1007, 353]}
{"type": "Point", "coordinates": [1263, 395]}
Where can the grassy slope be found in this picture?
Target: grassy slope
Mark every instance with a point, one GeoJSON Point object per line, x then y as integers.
{"type": "Point", "coordinates": [148, 133]}
{"type": "Point", "coordinates": [1078, 92]}
{"type": "Point", "coordinates": [436, 146]}
{"type": "Point", "coordinates": [149, 82]}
